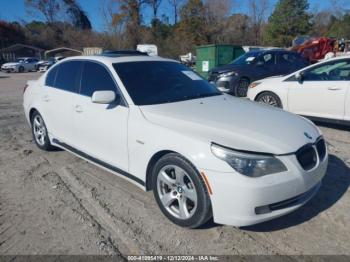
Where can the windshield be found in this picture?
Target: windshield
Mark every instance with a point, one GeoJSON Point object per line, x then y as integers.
{"type": "Point", "coordinates": [246, 59]}
{"type": "Point", "coordinates": [158, 82]}
{"type": "Point", "coordinates": [19, 60]}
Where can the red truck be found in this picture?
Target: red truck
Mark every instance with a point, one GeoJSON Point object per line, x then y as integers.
{"type": "Point", "coordinates": [316, 48]}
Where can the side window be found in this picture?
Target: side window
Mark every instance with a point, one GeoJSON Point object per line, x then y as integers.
{"type": "Point", "coordinates": [267, 59]}
{"type": "Point", "coordinates": [95, 78]}
{"type": "Point", "coordinates": [51, 77]}
{"type": "Point", "coordinates": [333, 71]}
{"type": "Point", "coordinates": [289, 58]}
{"type": "Point", "coordinates": [68, 76]}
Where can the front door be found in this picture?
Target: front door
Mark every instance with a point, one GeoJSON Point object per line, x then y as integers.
{"type": "Point", "coordinates": [100, 129]}
{"type": "Point", "coordinates": [322, 91]}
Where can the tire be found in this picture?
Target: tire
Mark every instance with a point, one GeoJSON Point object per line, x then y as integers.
{"type": "Point", "coordinates": [269, 98]}
{"type": "Point", "coordinates": [39, 132]}
{"type": "Point", "coordinates": [21, 69]}
{"type": "Point", "coordinates": [176, 181]}
{"type": "Point", "coordinates": [241, 89]}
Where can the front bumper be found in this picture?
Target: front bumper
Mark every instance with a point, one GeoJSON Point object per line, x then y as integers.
{"type": "Point", "coordinates": [242, 201]}
{"type": "Point", "coordinates": [9, 69]}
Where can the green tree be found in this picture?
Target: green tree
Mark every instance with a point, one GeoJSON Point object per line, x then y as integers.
{"type": "Point", "coordinates": [193, 22]}
{"type": "Point", "coordinates": [10, 33]}
{"type": "Point", "coordinates": [289, 19]}
{"type": "Point", "coordinates": [79, 18]}
{"type": "Point", "coordinates": [129, 16]}
{"type": "Point", "coordinates": [340, 27]}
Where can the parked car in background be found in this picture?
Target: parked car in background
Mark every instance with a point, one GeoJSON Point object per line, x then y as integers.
{"type": "Point", "coordinates": [320, 91]}
{"type": "Point", "coordinates": [23, 64]}
{"type": "Point", "coordinates": [161, 126]}
{"type": "Point", "coordinates": [235, 78]}
{"type": "Point", "coordinates": [151, 50]}
{"type": "Point", "coordinates": [44, 65]}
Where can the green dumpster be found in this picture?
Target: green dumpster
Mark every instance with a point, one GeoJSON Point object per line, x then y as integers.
{"type": "Point", "coordinates": [210, 56]}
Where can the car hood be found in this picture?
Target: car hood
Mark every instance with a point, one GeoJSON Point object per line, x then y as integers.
{"type": "Point", "coordinates": [229, 67]}
{"type": "Point", "coordinates": [272, 79]}
{"type": "Point", "coordinates": [235, 123]}
{"type": "Point", "coordinates": [11, 64]}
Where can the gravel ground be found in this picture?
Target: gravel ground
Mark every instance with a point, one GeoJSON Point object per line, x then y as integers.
{"type": "Point", "coordinates": [56, 203]}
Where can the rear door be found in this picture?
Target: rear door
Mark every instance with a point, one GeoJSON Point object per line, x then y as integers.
{"type": "Point", "coordinates": [57, 98]}
{"type": "Point", "coordinates": [101, 129]}
{"type": "Point", "coordinates": [265, 66]}
{"type": "Point", "coordinates": [322, 92]}
{"type": "Point", "coordinates": [289, 62]}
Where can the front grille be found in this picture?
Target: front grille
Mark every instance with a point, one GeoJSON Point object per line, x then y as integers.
{"type": "Point", "coordinates": [321, 149]}
{"type": "Point", "coordinates": [307, 157]}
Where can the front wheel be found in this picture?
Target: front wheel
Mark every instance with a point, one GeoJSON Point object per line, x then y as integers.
{"type": "Point", "coordinates": [180, 192]}
{"type": "Point", "coordinates": [21, 69]}
{"type": "Point", "coordinates": [241, 88]}
{"type": "Point", "coordinates": [269, 98]}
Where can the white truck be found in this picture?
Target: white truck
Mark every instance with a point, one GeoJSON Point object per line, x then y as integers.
{"type": "Point", "coordinates": [151, 50]}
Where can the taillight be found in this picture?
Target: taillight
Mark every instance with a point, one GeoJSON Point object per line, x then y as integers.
{"type": "Point", "coordinates": [24, 89]}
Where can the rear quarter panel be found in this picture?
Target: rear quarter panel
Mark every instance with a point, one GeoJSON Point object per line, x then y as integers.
{"type": "Point", "coordinates": [32, 97]}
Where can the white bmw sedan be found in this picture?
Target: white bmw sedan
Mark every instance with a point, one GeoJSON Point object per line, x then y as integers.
{"type": "Point", "coordinates": [320, 91]}
{"type": "Point", "coordinates": [162, 127]}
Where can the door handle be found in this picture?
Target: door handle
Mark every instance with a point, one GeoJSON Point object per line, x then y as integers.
{"type": "Point", "coordinates": [334, 88]}
{"type": "Point", "coordinates": [46, 98]}
{"type": "Point", "coordinates": [78, 108]}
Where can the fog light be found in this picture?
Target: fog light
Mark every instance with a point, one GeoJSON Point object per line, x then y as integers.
{"type": "Point", "coordinates": [262, 210]}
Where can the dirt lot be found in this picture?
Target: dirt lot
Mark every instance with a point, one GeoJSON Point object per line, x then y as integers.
{"type": "Point", "coordinates": [56, 203]}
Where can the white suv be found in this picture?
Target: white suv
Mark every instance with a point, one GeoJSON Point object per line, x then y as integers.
{"type": "Point", "coordinates": [164, 128]}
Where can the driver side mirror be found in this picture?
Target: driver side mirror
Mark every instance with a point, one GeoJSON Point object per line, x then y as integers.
{"type": "Point", "coordinates": [103, 97]}
{"type": "Point", "coordinates": [300, 76]}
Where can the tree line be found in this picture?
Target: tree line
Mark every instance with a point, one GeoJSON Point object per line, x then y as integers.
{"type": "Point", "coordinates": [186, 24]}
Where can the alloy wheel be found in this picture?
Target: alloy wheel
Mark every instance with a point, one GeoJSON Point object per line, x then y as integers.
{"type": "Point", "coordinates": [242, 88]}
{"type": "Point", "coordinates": [177, 192]}
{"type": "Point", "coordinates": [270, 100]}
{"type": "Point", "coordinates": [39, 130]}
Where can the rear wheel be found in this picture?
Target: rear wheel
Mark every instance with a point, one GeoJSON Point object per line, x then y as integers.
{"type": "Point", "coordinates": [180, 192]}
{"type": "Point", "coordinates": [242, 87]}
{"type": "Point", "coordinates": [40, 133]}
{"type": "Point", "coordinates": [269, 98]}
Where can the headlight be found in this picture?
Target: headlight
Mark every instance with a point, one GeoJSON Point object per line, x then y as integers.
{"type": "Point", "coordinates": [252, 165]}
{"type": "Point", "coordinates": [254, 84]}
{"type": "Point", "coordinates": [227, 74]}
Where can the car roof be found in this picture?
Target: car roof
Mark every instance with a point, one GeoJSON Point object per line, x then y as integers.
{"type": "Point", "coordinates": [279, 50]}
{"type": "Point", "coordinates": [26, 57]}
{"type": "Point", "coordinates": [118, 59]}
{"type": "Point", "coordinates": [336, 58]}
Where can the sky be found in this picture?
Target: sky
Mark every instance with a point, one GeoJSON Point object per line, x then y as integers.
{"type": "Point", "coordinates": [14, 10]}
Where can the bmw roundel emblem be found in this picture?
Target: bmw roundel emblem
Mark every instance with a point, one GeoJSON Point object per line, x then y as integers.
{"type": "Point", "coordinates": [307, 135]}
